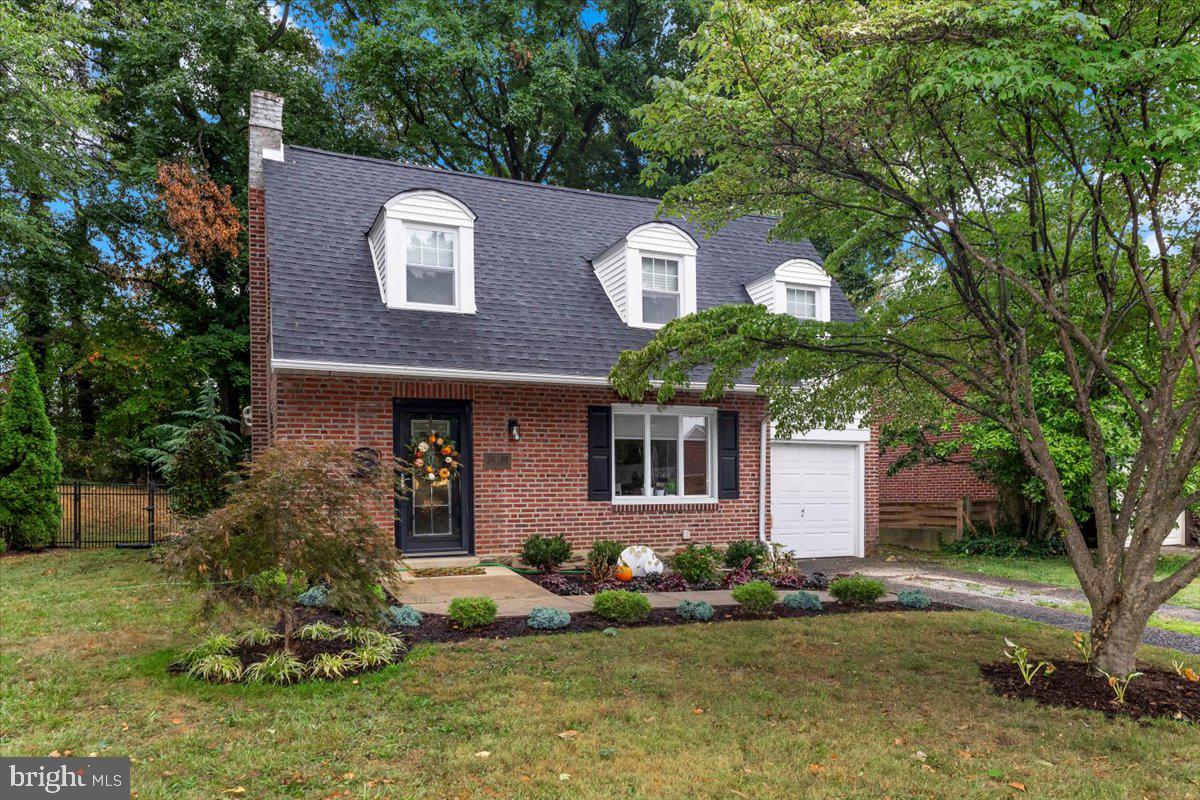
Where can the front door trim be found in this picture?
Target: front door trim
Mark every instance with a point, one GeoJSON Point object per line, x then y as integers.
{"type": "Point", "coordinates": [403, 406]}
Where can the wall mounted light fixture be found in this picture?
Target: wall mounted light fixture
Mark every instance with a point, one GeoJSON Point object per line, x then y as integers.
{"type": "Point", "coordinates": [514, 430]}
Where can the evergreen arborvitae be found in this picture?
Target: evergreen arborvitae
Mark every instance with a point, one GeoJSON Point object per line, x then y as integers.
{"type": "Point", "coordinates": [29, 465]}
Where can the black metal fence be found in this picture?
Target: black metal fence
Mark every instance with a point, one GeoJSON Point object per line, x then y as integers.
{"type": "Point", "coordinates": [113, 514]}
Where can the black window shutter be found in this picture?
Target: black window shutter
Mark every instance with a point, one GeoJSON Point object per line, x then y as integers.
{"type": "Point", "coordinates": [599, 453]}
{"type": "Point", "coordinates": [727, 454]}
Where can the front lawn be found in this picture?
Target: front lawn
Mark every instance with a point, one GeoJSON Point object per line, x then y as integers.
{"type": "Point", "coordinates": [849, 706]}
{"type": "Point", "coordinates": [1054, 571]}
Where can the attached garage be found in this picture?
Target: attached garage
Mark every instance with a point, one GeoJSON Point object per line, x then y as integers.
{"type": "Point", "coordinates": [817, 493]}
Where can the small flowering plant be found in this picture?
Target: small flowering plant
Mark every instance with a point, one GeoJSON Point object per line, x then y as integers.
{"type": "Point", "coordinates": [1019, 656]}
{"type": "Point", "coordinates": [431, 460]}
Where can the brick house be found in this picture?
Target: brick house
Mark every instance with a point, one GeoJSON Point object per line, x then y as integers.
{"type": "Point", "coordinates": [389, 299]}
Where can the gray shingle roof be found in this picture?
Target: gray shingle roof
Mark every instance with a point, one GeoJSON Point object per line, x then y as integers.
{"type": "Point", "coordinates": [540, 307]}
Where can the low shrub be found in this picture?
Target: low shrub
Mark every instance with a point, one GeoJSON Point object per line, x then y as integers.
{"type": "Point", "coordinates": [315, 596]}
{"type": "Point", "coordinates": [757, 597]}
{"type": "Point", "coordinates": [217, 668]}
{"type": "Point", "coordinates": [694, 609]}
{"type": "Point", "coordinates": [857, 590]}
{"type": "Point", "coordinates": [548, 619]}
{"type": "Point", "coordinates": [913, 598]}
{"type": "Point", "coordinates": [402, 617]}
{"type": "Point", "coordinates": [739, 551]}
{"type": "Point", "coordinates": [619, 605]}
{"type": "Point", "coordinates": [473, 612]}
{"type": "Point", "coordinates": [802, 601]}
{"type": "Point", "coordinates": [605, 550]}
{"type": "Point", "coordinates": [281, 668]}
{"type": "Point", "coordinates": [273, 582]}
{"type": "Point", "coordinates": [545, 553]}
{"type": "Point", "coordinates": [1007, 541]}
{"type": "Point", "coordinates": [696, 563]}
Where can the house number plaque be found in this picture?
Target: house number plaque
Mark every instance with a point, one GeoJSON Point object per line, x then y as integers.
{"type": "Point", "coordinates": [497, 460]}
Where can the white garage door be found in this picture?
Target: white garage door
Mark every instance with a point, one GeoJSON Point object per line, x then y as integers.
{"type": "Point", "coordinates": [816, 498]}
{"type": "Point", "coordinates": [1176, 536]}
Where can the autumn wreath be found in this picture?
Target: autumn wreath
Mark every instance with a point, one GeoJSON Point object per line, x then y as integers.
{"type": "Point", "coordinates": [430, 460]}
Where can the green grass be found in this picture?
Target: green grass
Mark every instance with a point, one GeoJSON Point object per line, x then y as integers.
{"type": "Point", "coordinates": [1156, 620]}
{"type": "Point", "coordinates": [733, 710]}
{"type": "Point", "coordinates": [1054, 571]}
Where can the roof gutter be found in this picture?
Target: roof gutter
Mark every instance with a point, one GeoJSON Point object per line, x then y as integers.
{"type": "Point", "coordinates": [454, 374]}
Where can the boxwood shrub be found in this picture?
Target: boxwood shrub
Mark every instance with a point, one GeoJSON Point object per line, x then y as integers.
{"type": "Point", "coordinates": [857, 590]}
{"type": "Point", "coordinates": [545, 553]}
{"type": "Point", "coordinates": [619, 605]}
{"type": "Point", "coordinates": [757, 597]}
{"type": "Point", "coordinates": [473, 612]}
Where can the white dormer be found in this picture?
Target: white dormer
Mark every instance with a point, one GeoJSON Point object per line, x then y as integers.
{"type": "Point", "coordinates": [423, 246]}
{"type": "Point", "coordinates": [650, 275]}
{"type": "Point", "coordinates": [798, 287]}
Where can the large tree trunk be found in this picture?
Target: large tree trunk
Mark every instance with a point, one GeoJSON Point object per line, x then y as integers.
{"type": "Point", "coordinates": [1117, 630]}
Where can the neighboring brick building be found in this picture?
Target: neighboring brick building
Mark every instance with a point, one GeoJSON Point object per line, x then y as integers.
{"type": "Point", "coordinates": [388, 299]}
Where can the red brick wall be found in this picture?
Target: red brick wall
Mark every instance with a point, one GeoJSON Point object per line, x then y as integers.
{"type": "Point", "coordinates": [261, 389]}
{"type": "Point", "coordinates": [357, 410]}
{"type": "Point", "coordinates": [872, 486]}
{"type": "Point", "coordinates": [931, 483]}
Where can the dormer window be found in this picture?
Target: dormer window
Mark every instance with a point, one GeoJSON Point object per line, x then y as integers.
{"type": "Point", "coordinates": [650, 275]}
{"type": "Point", "coordinates": [798, 287]}
{"type": "Point", "coordinates": [660, 289]}
{"type": "Point", "coordinates": [422, 243]}
{"type": "Point", "coordinates": [801, 303]}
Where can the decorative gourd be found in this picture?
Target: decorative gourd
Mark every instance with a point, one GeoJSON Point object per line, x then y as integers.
{"type": "Point", "coordinates": [624, 572]}
{"type": "Point", "coordinates": [641, 560]}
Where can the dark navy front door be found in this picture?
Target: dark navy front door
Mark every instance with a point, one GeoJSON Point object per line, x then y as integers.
{"type": "Point", "coordinates": [435, 519]}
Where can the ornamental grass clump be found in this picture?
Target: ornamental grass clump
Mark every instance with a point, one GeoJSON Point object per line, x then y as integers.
{"type": "Point", "coordinates": [802, 601]}
{"type": "Point", "coordinates": [694, 609]}
{"type": "Point", "coordinates": [473, 612]}
{"type": "Point", "coordinates": [857, 590]}
{"type": "Point", "coordinates": [620, 605]}
{"type": "Point", "coordinates": [548, 619]}
{"type": "Point", "coordinates": [258, 635]}
{"type": "Point", "coordinates": [757, 597]}
{"type": "Point", "coordinates": [331, 666]}
{"type": "Point", "coordinates": [217, 669]}
{"type": "Point", "coordinates": [913, 598]}
{"type": "Point", "coordinates": [280, 668]}
{"type": "Point", "coordinates": [318, 632]}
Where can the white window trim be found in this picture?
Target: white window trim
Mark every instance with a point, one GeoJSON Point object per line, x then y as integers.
{"type": "Point", "coordinates": [678, 282]}
{"type": "Point", "coordinates": [710, 415]}
{"type": "Point", "coordinates": [816, 292]}
{"type": "Point", "coordinates": [425, 208]}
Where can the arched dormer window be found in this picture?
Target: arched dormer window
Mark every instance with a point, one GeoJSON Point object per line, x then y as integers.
{"type": "Point", "coordinates": [798, 287]}
{"type": "Point", "coordinates": [650, 275]}
{"type": "Point", "coordinates": [423, 246]}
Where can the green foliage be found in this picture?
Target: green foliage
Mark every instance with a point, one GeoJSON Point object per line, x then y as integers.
{"type": "Point", "coordinates": [737, 553]}
{"type": "Point", "coordinates": [379, 654]}
{"type": "Point", "coordinates": [216, 668]}
{"type": "Point", "coordinates": [216, 645]}
{"type": "Point", "coordinates": [272, 584]}
{"type": "Point", "coordinates": [545, 553]}
{"type": "Point", "coordinates": [302, 509]}
{"type": "Point", "coordinates": [361, 634]}
{"type": "Point", "coordinates": [29, 465]}
{"type": "Point", "coordinates": [913, 598]}
{"type": "Point", "coordinates": [258, 635]}
{"type": "Point", "coordinates": [548, 618]}
{"type": "Point", "coordinates": [319, 632]}
{"type": "Point", "coordinates": [857, 590]}
{"type": "Point", "coordinates": [280, 668]}
{"type": "Point", "coordinates": [694, 609]}
{"type": "Point", "coordinates": [402, 617]}
{"type": "Point", "coordinates": [473, 612]}
{"type": "Point", "coordinates": [331, 666]}
{"type": "Point", "coordinates": [802, 601]}
{"type": "Point", "coordinates": [696, 563]}
{"type": "Point", "coordinates": [605, 551]}
{"type": "Point", "coordinates": [1019, 656]}
{"type": "Point", "coordinates": [533, 91]}
{"type": "Point", "coordinates": [757, 597]}
{"type": "Point", "coordinates": [1118, 683]}
{"type": "Point", "coordinates": [620, 605]}
{"type": "Point", "coordinates": [1004, 542]}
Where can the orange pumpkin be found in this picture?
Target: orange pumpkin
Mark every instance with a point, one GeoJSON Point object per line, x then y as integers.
{"type": "Point", "coordinates": [624, 572]}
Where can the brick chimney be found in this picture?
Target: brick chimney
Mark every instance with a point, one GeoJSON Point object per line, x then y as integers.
{"type": "Point", "coordinates": [266, 143]}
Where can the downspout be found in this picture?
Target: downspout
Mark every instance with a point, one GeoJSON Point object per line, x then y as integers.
{"type": "Point", "coordinates": [762, 480]}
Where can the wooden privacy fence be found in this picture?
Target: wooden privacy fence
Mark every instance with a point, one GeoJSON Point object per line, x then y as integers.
{"type": "Point", "coordinates": [922, 525]}
{"type": "Point", "coordinates": [113, 514]}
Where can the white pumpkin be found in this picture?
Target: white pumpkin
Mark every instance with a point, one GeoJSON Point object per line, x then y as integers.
{"type": "Point", "coordinates": [641, 560]}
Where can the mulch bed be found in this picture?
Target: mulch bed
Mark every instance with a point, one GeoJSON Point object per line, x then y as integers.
{"type": "Point", "coordinates": [1158, 693]}
{"type": "Point", "coordinates": [570, 584]}
{"type": "Point", "coordinates": [439, 628]}
{"type": "Point", "coordinates": [444, 572]}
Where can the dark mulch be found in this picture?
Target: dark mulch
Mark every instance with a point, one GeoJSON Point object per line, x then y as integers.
{"type": "Point", "coordinates": [1158, 693]}
{"type": "Point", "coordinates": [439, 628]}
{"type": "Point", "coordinates": [445, 572]}
{"type": "Point", "coordinates": [569, 584]}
